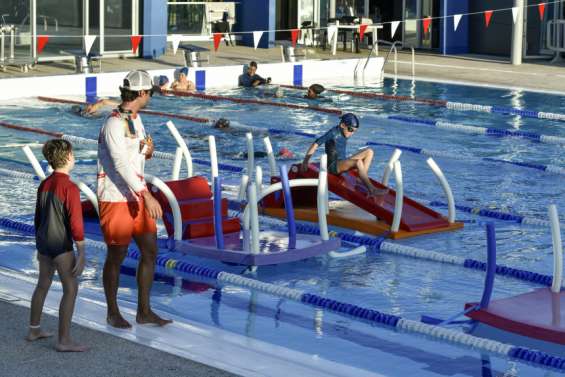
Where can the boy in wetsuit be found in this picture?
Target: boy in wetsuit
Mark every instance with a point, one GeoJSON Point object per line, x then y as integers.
{"type": "Point", "coordinates": [251, 79]}
{"type": "Point", "coordinates": [58, 222]}
{"type": "Point", "coordinates": [335, 141]}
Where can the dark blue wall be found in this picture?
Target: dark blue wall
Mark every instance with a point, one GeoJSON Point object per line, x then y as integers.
{"type": "Point", "coordinates": [456, 42]}
{"type": "Point", "coordinates": [256, 15]}
{"type": "Point", "coordinates": [155, 24]}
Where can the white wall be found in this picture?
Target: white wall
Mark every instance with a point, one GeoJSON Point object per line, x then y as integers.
{"type": "Point", "coordinates": [216, 77]}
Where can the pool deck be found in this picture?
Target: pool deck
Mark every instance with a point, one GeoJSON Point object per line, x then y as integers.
{"type": "Point", "coordinates": [539, 75]}
{"type": "Point", "coordinates": [108, 355]}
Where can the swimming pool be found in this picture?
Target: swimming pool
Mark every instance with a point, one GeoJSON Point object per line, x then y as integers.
{"type": "Point", "coordinates": [392, 284]}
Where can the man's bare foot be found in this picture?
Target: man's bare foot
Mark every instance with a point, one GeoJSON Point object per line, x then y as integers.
{"type": "Point", "coordinates": [36, 334]}
{"type": "Point", "coordinates": [71, 347]}
{"type": "Point", "coordinates": [117, 321]}
{"type": "Point", "coordinates": [151, 318]}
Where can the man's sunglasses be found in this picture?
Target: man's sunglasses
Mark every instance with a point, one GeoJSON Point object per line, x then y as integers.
{"type": "Point", "coordinates": [351, 129]}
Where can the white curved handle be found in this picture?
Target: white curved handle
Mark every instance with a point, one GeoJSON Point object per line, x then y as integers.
{"type": "Point", "coordinates": [213, 157]}
{"type": "Point", "coordinates": [182, 144]}
{"type": "Point", "coordinates": [250, 154]}
{"type": "Point", "coordinates": [177, 219]}
{"type": "Point", "coordinates": [557, 249]}
{"type": "Point", "coordinates": [390, 166]}
{"type": "Point", "coordinates": [242, 193]}
{"type": "Point", "coordinates": [255, 248]}
{"type": "Point", "coordinates": [177, 164]}
{"type": "Point", "coordinates": [399, 198]}
{"type": "Point", "coordinates": [90, 195]}
{"type": "Point", "coordinates": [259, 179]}
{"type": "Point", "coordinates": [34, 163]}
{"type": "Point", "coordinates": [270, 157]}
{"type": "Point", "coordinates": [446, 189]}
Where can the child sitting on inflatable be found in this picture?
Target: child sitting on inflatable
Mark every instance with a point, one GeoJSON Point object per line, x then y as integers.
{"type": "Point", "coordinates": [335, 141]}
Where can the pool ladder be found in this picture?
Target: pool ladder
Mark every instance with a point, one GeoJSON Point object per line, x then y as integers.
{"type": "Point", "coordinates": [393, 48]}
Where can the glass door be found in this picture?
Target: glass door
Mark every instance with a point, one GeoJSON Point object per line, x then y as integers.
{"type": "Point", "coordinates": [535, 35]}
{"type": "Point", "coordinates": [413, 33]}
{"type": "Point", "coordinates": [118, 22]}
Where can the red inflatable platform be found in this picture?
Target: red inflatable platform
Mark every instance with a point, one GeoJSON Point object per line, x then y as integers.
{"type": "Point", "coordinates": [538, 314]}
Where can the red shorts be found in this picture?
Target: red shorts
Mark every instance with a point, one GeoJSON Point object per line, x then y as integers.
{"type": "Point", "coordinates": [120, 221]}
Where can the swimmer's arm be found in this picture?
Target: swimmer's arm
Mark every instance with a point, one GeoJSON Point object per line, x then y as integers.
{"type": "Point", "coordinates": [92, 108]}
{"type": "Point", "coordinates": [115, 139]}
{"type": "Point", "coordinates": [191, 85]}
{"type": "Point", "coordinates": [309, 153]}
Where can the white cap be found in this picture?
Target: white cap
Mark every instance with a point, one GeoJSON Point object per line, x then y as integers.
{"type": "Point", "coordinates": [137, 81]}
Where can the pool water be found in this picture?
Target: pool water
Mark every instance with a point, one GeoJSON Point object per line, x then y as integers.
{"type": "Point", "coordinates": [392, 284]}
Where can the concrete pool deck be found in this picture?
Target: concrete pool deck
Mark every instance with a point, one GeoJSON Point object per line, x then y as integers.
{"type": "Point", "coordinates": [539, 75]}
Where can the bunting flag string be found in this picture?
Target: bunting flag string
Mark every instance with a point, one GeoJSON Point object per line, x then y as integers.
{"type": "Point", "coordinates": [135, 40]}
{"type": "Point", "coordinates": [176, 42]}
{"type": "Point", "coordinates": [88, 43]}
{"type": "Point", "coordinates": [515, 11]}
{"type": "Point", "coordinates": [362, 29]}
{"type": "Point", "coordinates": [294, 36]}
{"type": "Point", "coordinates": [393, 28]}
{"type": "Point", "coordinates": [41, 42]}
{"type": "Point", "coordinates": [217, 40]}
{"type": "Point", "coordinates": [427, 22]}
{"type": "Point", "coordinates": [456, 20]}
{"type": "Point", "coordinates": [488, 16]}
{"type": "Point", "coordinates": [256, 38]}
{"type": "Point", "coordinates": [541, 9]}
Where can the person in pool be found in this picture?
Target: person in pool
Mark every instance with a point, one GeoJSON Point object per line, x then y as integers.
{"type": "Point", "coordinates": [183, 84]}
{"type": "Point", "coordinates": [335, 142]}
{"type": "Point", "coordinates": [162, 84]}
{"type": "Point", "coordinates": [314, 91]}
{"type": "Point", "coordinates": [251, 79]}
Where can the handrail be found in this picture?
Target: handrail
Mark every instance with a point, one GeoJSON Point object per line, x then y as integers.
{"type": "Point", "coordinates": [398, 203]}
{"type": "Point", "coordinates": [392, 48]}
{"type": "Point", "coordinates": [250, 154]}
{"type": "Point", "coordinates": [270, 156]}
{"type": "Point", "coordinates": [182, 144]}
{"type": "Point", "coordinates": [556, 35]}
{"type": "Point", "coordinates": [446, 189]}
{"type": "Point", "coordinates": [557, 249]}
{"type": "Point", "coordinates": [390, 166]}
{"type": "Point", "coordinates": [177, 218]}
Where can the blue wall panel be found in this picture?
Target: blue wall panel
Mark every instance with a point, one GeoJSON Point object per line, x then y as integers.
{"type": "Point", "coordinates": [91, 89]}
{"type": "Point", "coordinates": [200, 80]}
{"type": "Point", "coordinates": [155, 25]}
{"type": "Point", "coordinates": [297, 77]}
{"type": "Point", "coordinates": [256, 15]}
{"type": "Point", "coordinates": [456, 41]}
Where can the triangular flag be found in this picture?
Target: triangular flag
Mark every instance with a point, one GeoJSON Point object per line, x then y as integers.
{"type": "Point", "coordinates": [488, 15]}
{"type": "Point", "coordinates": [362, 29]}
{"type": "Point", "coordinates": [456, 20]}
{"type": "Point", "coordinates": [41, 42]}
{"type": "Point", "coordinates": [176, 42]}
{"type": "Point", "coordinates": [393, 27]}
{"type": "Point", "coordinates": [256, 38]}
{"type": "Point", "coordinates": [427, 22]}
{"type": "Point", "coordinates": [217, 40]}
{"type": "Point", "coordinates": [294, 36]}
{"type": "Point", "coordinates": [88, 42]}
{"type": "Point", "coordinates": [515, 11]}
{"type": "Point", "coordinates": [135, 40]}
{"type": "Point", "coordinates": [331, 32]}
{"type": "Point", "coordinates": [541, 8]}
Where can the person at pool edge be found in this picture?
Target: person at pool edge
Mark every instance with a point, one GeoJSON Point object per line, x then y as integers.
{"type": "Point", "coordinates": [183, 84]}
{"type": "Point", "coordinates": [335, 142]}
{"type": "Point", "coordinates": [251, 79]}
{"type": "Point", "coordinates": [126, 207]}
{"type": "Point", "coordinates": [58, 222]}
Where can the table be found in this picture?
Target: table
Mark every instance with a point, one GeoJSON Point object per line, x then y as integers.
{"type": "Point", "coordinates": [370, 28]}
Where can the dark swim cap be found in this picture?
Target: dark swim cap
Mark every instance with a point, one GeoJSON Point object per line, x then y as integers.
{"type": "Point", "coordinates": [222, 123]}
{"type": "Point", "coordinates": [184, 71]}
{"type": "Point", "coordinates": [350, 120]}
{"type": "Point", "coordinates": [317, 88]}
{"type": "Point", "coordinates": [163, 80]}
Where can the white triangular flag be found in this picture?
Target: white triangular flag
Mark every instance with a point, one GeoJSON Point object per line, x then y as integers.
{"type": "Point", "coordinates": [456, 20]}
{"type": "Point", "coordinates": [176, 41]}
{"type": "Point", "coordinates": [515, 11]}
{"type": "Point", "coordinates": [393, 27]}
{"type": "Point", "coordinates": [88, 42]}
{"type": "Point", "coordinates": [331, 33]}
{"type": "Point", "coordinates": [256, 38]}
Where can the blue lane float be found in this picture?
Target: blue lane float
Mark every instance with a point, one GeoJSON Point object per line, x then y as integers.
{"type": "Point", "coordinates": [367, 315]}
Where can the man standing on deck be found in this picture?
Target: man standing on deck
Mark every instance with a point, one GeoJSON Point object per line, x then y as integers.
{"type": "Point", "coordinates": [127, 209]}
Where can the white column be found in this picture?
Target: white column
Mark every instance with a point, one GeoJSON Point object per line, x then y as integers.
{"type": "Point", "coordinates": [366, 9]}
{"type": "Point", "coordinates": [518, 34]}
{"type": "Point", "coordinates": [332, 9]}
{"type": "Point", "coordinates": [33, 28]}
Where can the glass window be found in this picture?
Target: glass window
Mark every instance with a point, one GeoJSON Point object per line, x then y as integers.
{"type": "Point", "coordinates": [118, 25]}
{"type": "Point", "coordinates": [187, 19]}
{"type": "Point", "coordinates": [62, 20]}
{"type": "Point", "coordinates": [16, 14]}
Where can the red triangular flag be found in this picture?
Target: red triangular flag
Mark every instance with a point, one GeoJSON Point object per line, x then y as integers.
{"type": "Point", "coordinates": [294, 36]}
{"type": "Point", "coordinates": [362, 30]}
{"type": "Point", "coordinates": [427, 22]}
{"type": "Point", "coordinates": [41, 42]}
{"type": "Point", "coordinates": [217, 40]}
{"type": "Point", "coordinates": [488, 15]}
{"type": "Point", "coordinates": [135, 40]}
{"type": "Point", "coordinates": [541, 8]}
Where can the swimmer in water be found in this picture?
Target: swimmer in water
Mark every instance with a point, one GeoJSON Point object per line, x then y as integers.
{"type": "Point", "coordinates": [162, 85]}
{"type": "Point", "coordinates": [92, 109]}
{"type": "Point", "coordinates": [314, 91]}
{"type": "Point", "coordinates": [183, 84]}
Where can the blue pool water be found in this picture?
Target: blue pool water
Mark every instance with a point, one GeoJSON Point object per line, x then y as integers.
{"type": "Point", "coordinates": [398, 285]}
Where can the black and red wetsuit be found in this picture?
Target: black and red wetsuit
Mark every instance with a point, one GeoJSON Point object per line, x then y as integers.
{"type": "Point", "coordinates": [58, 215]}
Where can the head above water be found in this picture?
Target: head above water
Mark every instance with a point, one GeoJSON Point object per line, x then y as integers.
{"type": "Point", "coordinates": [222, 123]}
{"type": "Point", "coordinates": [349, 123]}
{"type": "Point", "coordinates": [163, 80]}
{"type": "Point", "coordinates": [252, 68]}
{"type": "Point", "coordinates": [315, 90]}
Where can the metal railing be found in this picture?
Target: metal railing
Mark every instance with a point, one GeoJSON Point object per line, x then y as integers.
{"type": "Point", "coordinates": [556, 35]}
{"type": "Point", "coordinates": [393, 48]}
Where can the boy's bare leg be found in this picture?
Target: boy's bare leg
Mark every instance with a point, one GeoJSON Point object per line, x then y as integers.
{"type": "Point", "coordinates": [147, 244]}
{"type": "Point", "coordinates": [46, 271]}
{"type": "Point", "coordinates": [111, 279]}
{"type": "Point", "coordinates": [65, 263]}
{"type": "Point", "coordinates": [361, 161]}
